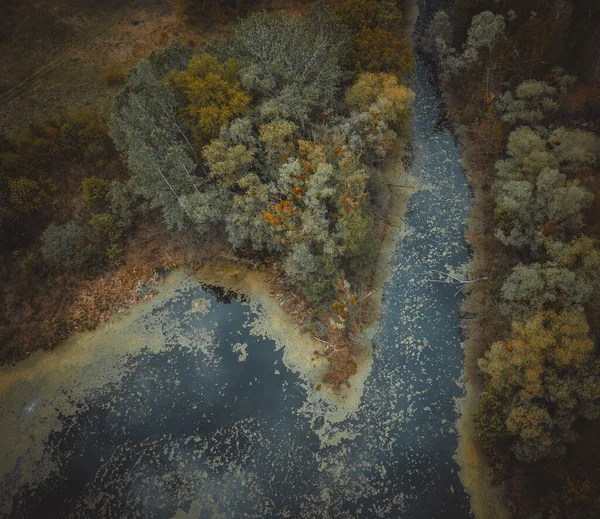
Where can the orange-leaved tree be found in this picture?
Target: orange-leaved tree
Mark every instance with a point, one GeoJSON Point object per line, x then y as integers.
{"type": "Point", "coordinates": [379, 50]}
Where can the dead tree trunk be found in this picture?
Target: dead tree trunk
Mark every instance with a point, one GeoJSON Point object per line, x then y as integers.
{"type": "Point", "coordinates": [445, 278]}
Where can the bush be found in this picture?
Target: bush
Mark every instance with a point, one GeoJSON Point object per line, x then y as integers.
{"type": "Point", "coordinates": [60, 244]}
{"type": "Point", "coordinates": [95, 192]}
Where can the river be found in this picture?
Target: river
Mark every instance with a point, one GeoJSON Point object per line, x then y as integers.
{"type": "Point", "coordinates": [186, 408]}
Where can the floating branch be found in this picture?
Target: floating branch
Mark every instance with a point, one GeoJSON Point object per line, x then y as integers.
{"type": "Point", "coordinates": [408, 186]}
{"type": "Point", "coordinates": [450, 279]}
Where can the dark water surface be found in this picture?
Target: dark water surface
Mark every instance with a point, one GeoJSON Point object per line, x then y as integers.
{"type": "Point", "coordinates": [214, 424]}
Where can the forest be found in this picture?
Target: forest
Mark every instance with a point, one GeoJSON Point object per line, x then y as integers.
{"type": "Point", "coordinates": [522, 85]}
{"type": "Point", "coordinates": [266, 143]}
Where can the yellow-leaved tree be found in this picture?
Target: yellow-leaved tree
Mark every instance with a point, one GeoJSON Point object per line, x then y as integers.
{"type": "Point", "coordinates": [542, 379]}
{"type": "Point", "coordinates": [209, 96]}
{"type": "Point", "coordinates": [370, 88]}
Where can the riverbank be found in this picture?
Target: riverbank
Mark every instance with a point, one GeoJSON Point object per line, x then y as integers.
{"type": "Point", "coordinates": [487, 498]}
{"type": "Point", "coordinates": [282, 317]}
{"type": "Point", "coordinates": [83, 304]}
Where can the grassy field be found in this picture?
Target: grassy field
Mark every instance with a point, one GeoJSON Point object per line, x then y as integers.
{"type": "Point", "coordinates": [67, 54]}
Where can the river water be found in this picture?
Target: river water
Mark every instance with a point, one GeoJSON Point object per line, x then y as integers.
{"type": "Point", "coordinates": [186, 408]}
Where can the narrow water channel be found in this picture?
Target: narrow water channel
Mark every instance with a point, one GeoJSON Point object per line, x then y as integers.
{"type": "Point", "coordinates": [184, 409]}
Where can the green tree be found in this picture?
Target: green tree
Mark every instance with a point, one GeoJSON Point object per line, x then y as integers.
{"type": "Point", "coordinates": [371, 88]}
{"type": "Point", "coordinates": [26, 196]}
{"type": "Point", "coordinates": [438, 34]}
{"type": "Point", "coordinates": [95, 192]}
{"type": "Point", "coordinates": [227, 164]}
{"type": "Point", "coordinates": [145, 130]}
{"type": "Point", "coordinates": [60, 244]}
{"type": "Point", "coordinates": [356, 14]}
{"type": "Point", "coordinates": [293, 62]}
{"type": "Point", "coordinates": [539, 286]}
{"type": "Point", "coordinates": [527, 212]}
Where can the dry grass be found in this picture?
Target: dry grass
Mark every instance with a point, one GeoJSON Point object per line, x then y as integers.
{"type": "Point", "coordinates": [40, 315]}
{"type": "Point", "coordinates": [57, 55]}
{"type": "Point", "coordinates": [58, 58]}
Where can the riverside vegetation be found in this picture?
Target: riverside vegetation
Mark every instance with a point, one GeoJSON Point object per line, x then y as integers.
{"type": "Point", "coordinates": [265, 145]}
{"type": "Point", "coordinates": [522, 83]}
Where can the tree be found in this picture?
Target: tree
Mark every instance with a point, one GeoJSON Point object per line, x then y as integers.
{"type": "Point", "coordinates": [539, 286]}
{"type": "Point", "coordinates": [486, 144]}
{"type": "Point", "coordinates": [26, 196]}
{"type": "Point", "coordinates": [478, 52]}
{"type": "Point", "coordinates": [293, 62]}
{"type": "Point", "coordinates": [365, 135]}
{"type": "Point", "coordinates": [580, 256]}
{"type": "Point", "coordinates": [357, 242]}
{"type": "Point", "coordinates": [145, 129]}
{"type": "Point", "coordinates": [370, 88]}
{"type": "Point", "coordinates": [356, 14]}
{"type": "Point", "coordinates": [207, 12]}
{"type": "Point", "coordinates": [531, 150]}
{"type": "Point", "coordinates": [210, 95]}
{"type": "Point", "coordinates": [60, 244]}
{"type": "Point", "coordinates": [438, 34]}
{"type": "Point", "coordinates": [121, 199]}
{"type": "Point", "coordinates": [378, 50]}
{"type": "Point", "coordinates": [95, 192]}
{"type": "Point", "coordinates": [208, 209]}
{"type": "Point", "coordinates": [527, 212]}
{"type": "Point", "coordinates": [227, 164]}
{"type": "Point", "coordinates": [545, 372]}
{"type": "Point", "coordinates": [534, 199]}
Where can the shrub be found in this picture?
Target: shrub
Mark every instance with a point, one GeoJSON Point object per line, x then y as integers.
{"type": "Point", "coordinates": [60, 244]}
{"type": "Point", "coordinates": [95, 192]}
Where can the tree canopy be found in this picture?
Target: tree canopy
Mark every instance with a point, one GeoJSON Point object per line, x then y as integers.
{"type": "Point", "coordinates": [257, 142]}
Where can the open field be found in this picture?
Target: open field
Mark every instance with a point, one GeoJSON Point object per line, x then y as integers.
{"type": "Point", "coordinates": [57, 55]}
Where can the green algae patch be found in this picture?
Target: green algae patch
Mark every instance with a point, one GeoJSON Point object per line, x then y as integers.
{"type": "Point", "coordinates": [41, 394]}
